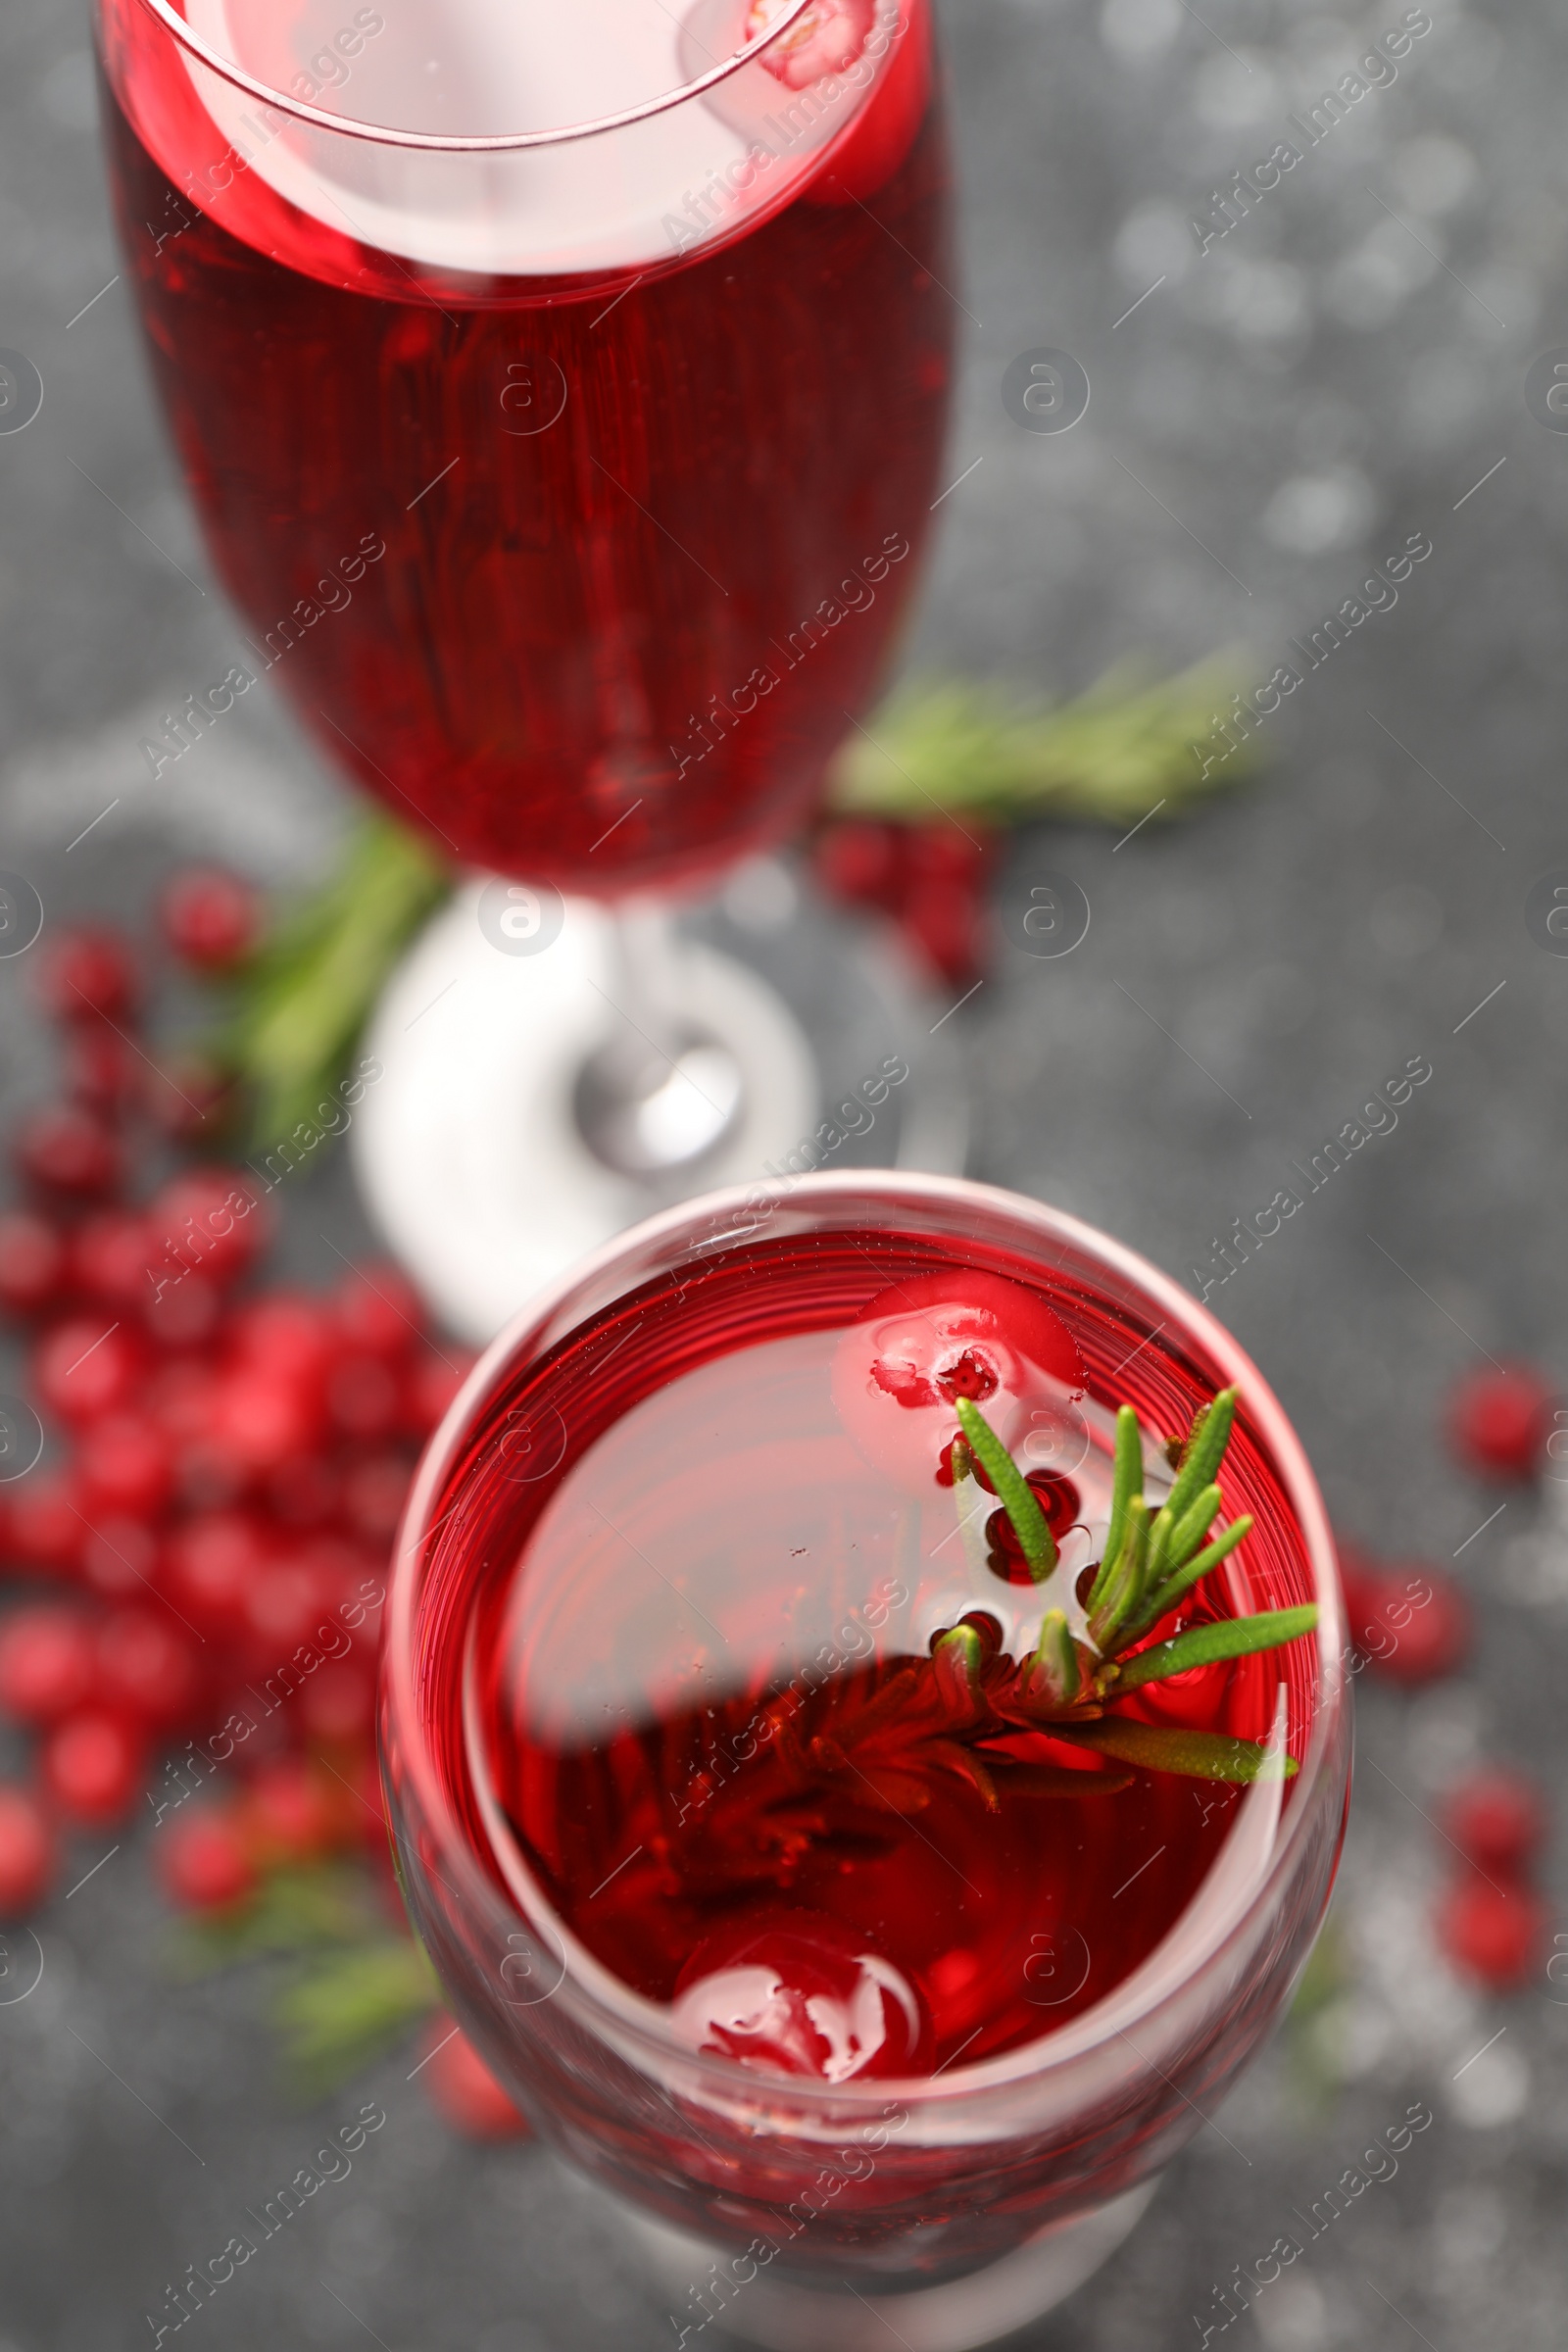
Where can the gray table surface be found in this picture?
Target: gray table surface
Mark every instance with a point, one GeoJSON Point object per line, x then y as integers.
{"type": "Point", "coordinates": [1344, 368]}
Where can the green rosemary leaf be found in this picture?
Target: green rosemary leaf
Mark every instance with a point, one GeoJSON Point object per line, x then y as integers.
{"type": "Point", "coordinates": [1204, 1645]}
{"type": "Point", "coordinates": [1110, 755]}
{"type": "Point", "coordinates": [1163, 1748]}
{"type": "Point", "coordinates": [958, 1658]}
{"type": "Point", "coordinates": [1054, 1672]}
{"type": "Point", "coordinates": [1187, 1532]}
{"type": "Point", "coordinates": [1013, 1491]}
{"type": "Point", "coordinates": [1206, 1450]}
{"type": "Point", "coordinates": [1127, 1479]}
{"type": "Point", "coordinates": [346, 2007]}
{"type": "Point", "coordinates": [298, 1006]}
{"type": "Point", "coordinates": [1166, 1596]}
{"type": "Point", "coordinates": [1125, 1583]}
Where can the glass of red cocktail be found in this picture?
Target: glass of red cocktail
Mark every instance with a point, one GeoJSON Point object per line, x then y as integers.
{"type": "Point", "coordinates": [830, 1884]}
{"type": "Point", "coordinates": [561, 392]}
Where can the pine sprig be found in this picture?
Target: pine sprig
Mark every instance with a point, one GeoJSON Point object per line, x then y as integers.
{"type": "Point", "coordinates": [1109, 755]}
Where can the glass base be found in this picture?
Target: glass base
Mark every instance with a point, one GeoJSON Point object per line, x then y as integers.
{"type": "Point", "coordinates": [954, 2316]}
{"type": "Point", "coordinates": [468, 1148]}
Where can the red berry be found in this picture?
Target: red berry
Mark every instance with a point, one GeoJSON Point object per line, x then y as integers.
{"type": "Point", "coordinates": [857, 859]}
{"type": "Point", "coordinates": [1493, 1934]}
{"type": "Point", "coordinates": [209, 1220]}
{"type": "Point", "coordinates": [1498, 1819]}
{"type": "Point", "coordinates": [26, 1852]}
{"type": "Point", "coordinates": [292, 1812]}
{"type": "Point", "coordinates": [1499, 1421]}
{"type": "Point", "coordinates": [362, 1397]}
{"type": "Point", "coordinates": [119, 1558]}
{"type": "Point", "coordinates": [204, 1861]}
{"type": "Point", "coordinates": [460, 2087]}
{"type": "Point", "coordinates": [304, 1493]}
{"type": "Point", "coordinates": [64, 1147]}
{"type": "Point", "coordinates": [1411, 1625]}
{"type": "Point", "coordinates": [88, 969]}
{"type": "Point", "coordinates": [101, 1067]}
{"type": "Point", "coordinates": [210, 917]}
{"type": "Point", "coordinates": [183, 1314]}
{"type": "Point", "coordinates": [86, 1366]}
{"type": "Point", "coordinates": [287, 1332]}
{"type": "Point", "coordinates": [109, 1258]}
{"type": "Point", "coordinates": [260, 1419]}
{"type": "Point", "coordinates": [46, 1662]}
{"type": "Point", "coordinates": [33, 1262]}
{"type": "Point", "coordinates": [283, 1605]}
{"type": "Point", "coordinates": [47, 1528]}
{"type": "Point", "coordinates": [148, 1666]}
{"type": "Point", "coordinates": [379, 1311]}
{"type": "Point", "coordinates": [210, 1564]}
{"type": "Point", "coordinates": [92, 1763]}
{"type": "Point", "coordinates": [127, 1465]}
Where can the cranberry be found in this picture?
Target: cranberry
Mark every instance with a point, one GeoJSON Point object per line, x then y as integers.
{"type": "Point", "coordinates": [1411, 1625]}
{"type": "Point", "coordinates": [92, 1763]}
{"type": "Point", "coordinates": [857, 858]}
{"type": "Point", "coordinates": [88, 969]}
{"type": "Point", "coordinates": [109, 1258]}
{"type": "Point", "coordinates": [362, 1397]}
{"type": "Point", "coordinates": [26, 1852]}
{"type": "Point", "coordinates": [373, 1495]}
{"type": "Point", "coordinates": [47, 1528]}
{"type": "Point", "coordinates": [292, 1812]}
{"type": "Point", "coordinates": [209, 1220]}
{"type": "Point", "coordinates": [46, 1662]}
{"type": "Point", "coordinates": [86, 1366]}
{"type": "Point", "coordinates": [379, 1311]}
{"type": "Point", "coordinates": [148, 1666]}
{"type": "Point", "coordinates": [1499, 1421]}
{"type": "Point", "coordinates": [944, 921]}
{"type": "Point", "coordinates": [431, 1383]}
{"type": "Point", "coordinates": [68, 1148]}
{"type": "Point", "coordinates": [337, 1704]}
{"type": "Point", "coordinates": [212, 1562]}
{"type": "Point", "coordinates": [127, 1465]}
{"type": "Point", "coordinates": [462, 2088]}
{"type": "Point", "coordinates": [101, 1068]}
{"type": "Point", "coordinates": [304, 1492]}
{"type": "Point", "coordinates": [119, 1558]}
{"type": "Point", "coordinates": [283, 1608]}
{"type": "Point", "coordinates": [1493, 1934]}
{"type": "Point", "coordinates": [183, 1314]}
{"type": "Point", "coordinates": [204, 1861]}
{"type": "Point", "coordinates": [210, 917]}
{"type": "Point", "coordinates": [260, 1419]}
{"type": "Point", "coordinates": [1498, 1819]}
{"type": "Point", "coordinates": [33, 1262]}
{"type": "Point", "coordinates": [801, 1995]}
{"type": "Point", "coordinates": [921, 1343]}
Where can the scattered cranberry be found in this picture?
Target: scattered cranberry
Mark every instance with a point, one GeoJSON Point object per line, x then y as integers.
{"type": "Point", "coordinates": [205, 1861]}
{"type": "Point", "coordinates": [119, 1558]}
{"type": "Point", "coordinates": [210, 1564]}
{"type": "Point", "coordinates": [184, 1314]}
{"type": "Point", "coordinates": [1499, 1421]}
{"type": "Point", "coordinates": [337, 1705]}
{"type": "Point", "coordinates": [46, 1662]}
{"type": "Point", "coordinates": [209, 1220]}
{"type": "Point", "coordinates": [362, 1397]}
{"type": "Point", "coordinates": [929, 878]}
{"type": "Point", "coordinates": [1498, 1819]}
{"type": "Point", "coordinates": [110, 1254]}
{"type": "Point", "coordinates": [148, 1666]}
{"type": "Point", "coordinates": [291, 1813]}
{"type": "Point", "coordinates": [374, 1492]}
{"type": "Point", "coordinates": [379, 1311]}
{"type": "Point", "coordinates": [210, 917]}
{"type": "Point", "coordinates": [285, 1331]}
{"type": "Point", "coordinates": [86, 1366]}
{"type": "Point", "coordinates": [33, 1262]}
{"type": "Point", "coordinates": [26, 1852]}
{"type": "Point", "coordinates": [1411, 1624]}
{"type": "Point", "coordinates": [92, 1763]}
{"type": "Point", "coordinates": [260, 1419]}
{"type": "Point", "coordinates": [68, 1148]}
{"type": "Point", "coordinates": [47, 1528]}
{"type": "Point", "coordinates": [101, 1068]}
{"type": "Point", "coordinates": [187, 1096]}
{"type": "Point", "coordinates": [88, 969]}
{"type": "Point", "coordinates": [127, 1465]}
{"type": "Point", "coordinates": [1493, 1934]}
{"type": "Point", "coordinates": [463, 2092]}
{"type": "Point", "coordinates": [304, 1492]}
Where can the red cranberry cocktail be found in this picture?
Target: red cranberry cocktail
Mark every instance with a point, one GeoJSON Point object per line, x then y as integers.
{"type": "Point", "coordinates": [864, 1723]}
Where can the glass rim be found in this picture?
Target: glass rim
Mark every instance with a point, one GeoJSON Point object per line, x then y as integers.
{"type": "Point", "coordinates": [1065, 2048]}
{"type": "Point", "coordinates": [449, 143]}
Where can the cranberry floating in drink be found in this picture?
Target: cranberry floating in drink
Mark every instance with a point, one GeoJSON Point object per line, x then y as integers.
{"type": "Point", "coordinates": [562, 389]}
{"type": "Point", "coordinates": [823, 1866]}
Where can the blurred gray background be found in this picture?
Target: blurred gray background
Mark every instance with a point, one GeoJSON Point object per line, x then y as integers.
{"type": "Point", "coordinates": [1345, 368]}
